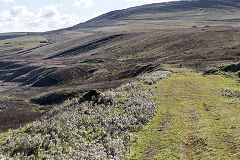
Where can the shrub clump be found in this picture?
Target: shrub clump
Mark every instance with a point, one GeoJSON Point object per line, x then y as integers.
{"type": "Point", "coordinates": [152, 78]}
{"type": "Point", "coordinates": [98, 129]}
{"type": "Point", "coordinates": [230, 70]}
{"type": "Point", "coordinates": [2, 157]}
{"type": "Point", "coordinates": [230, 93]}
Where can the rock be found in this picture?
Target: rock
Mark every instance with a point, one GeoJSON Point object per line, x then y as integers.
{"type": "Point", "coordinates": [2, 107]}
{"type": "Point", "coordinates": [92, 95]}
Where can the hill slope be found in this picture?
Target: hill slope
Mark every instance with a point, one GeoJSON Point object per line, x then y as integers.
{"type": "Point", "coordinates": [180, 14]}
{"type": "Point", "coordinates": [111, 49]}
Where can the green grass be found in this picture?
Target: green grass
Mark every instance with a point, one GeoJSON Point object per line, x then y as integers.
{"type": "Point", "coordinates": [23, 43]}
{"type": "Point", "coordinates": [193, 121]}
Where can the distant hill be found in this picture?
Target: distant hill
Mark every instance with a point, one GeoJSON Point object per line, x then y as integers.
{"type": "Point", "coordinates": [4, 36]}
{"type": "Point", "coordinates": [179, 14]}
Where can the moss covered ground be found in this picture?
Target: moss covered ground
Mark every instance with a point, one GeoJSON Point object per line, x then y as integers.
{"type": "Point", "coordinates": [194, 120]}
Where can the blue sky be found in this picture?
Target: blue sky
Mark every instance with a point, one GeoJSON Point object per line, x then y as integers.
{"type": "Point", "coordinates": [44, 15]}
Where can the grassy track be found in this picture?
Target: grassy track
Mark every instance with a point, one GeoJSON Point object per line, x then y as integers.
{"type": "Point", "coordinates": [193, 121]}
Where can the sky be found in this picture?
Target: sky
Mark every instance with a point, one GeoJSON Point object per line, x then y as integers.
{"type": "Point", "coordinates": [45, 15]}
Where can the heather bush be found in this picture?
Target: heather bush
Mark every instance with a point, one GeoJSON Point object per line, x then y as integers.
{"type": "Point", "coordinates": [230, 93]}
{"type": "Point", "coordinates": [151, 78]}
{"type": "Point", "coordinates": [98, 129]}
{"type": "Point", "coordinates": [2, 157]}
{"type": "Point", "coordinates": [129, 86]}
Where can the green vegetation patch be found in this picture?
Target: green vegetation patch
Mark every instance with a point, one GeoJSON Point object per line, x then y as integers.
{"type": "Point", "coordinates": [193, 121]}
{"type": "Point", "coordinates": [22, 43]}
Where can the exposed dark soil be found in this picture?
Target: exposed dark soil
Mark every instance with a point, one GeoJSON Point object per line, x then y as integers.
{"type": "Point", "coordinates": [55, 98]}
{"type": "Point", "coordinates": [15, 118]}
{"type": "Point", "coordinates": [231, 68]}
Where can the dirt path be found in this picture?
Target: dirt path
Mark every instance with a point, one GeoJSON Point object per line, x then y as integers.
{"type": "Point", "coordinates": [193, 121]}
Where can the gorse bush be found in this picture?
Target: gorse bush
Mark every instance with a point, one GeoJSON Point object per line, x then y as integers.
{"type": "Point", "coordinates": [89, 130]}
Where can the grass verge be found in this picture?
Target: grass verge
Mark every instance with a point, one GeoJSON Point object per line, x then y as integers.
{"type": "Point", "coordinates": [193, 120]}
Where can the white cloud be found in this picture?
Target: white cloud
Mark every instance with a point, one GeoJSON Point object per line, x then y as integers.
{"type": "Point", "coordinates": [19, 18]}
{"type": "Point", "coordinates": [7, 1]}
{"type": "Point", "coordinates": [83, 3]}
{"type": "Point", "coordinates": [20, 11]}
